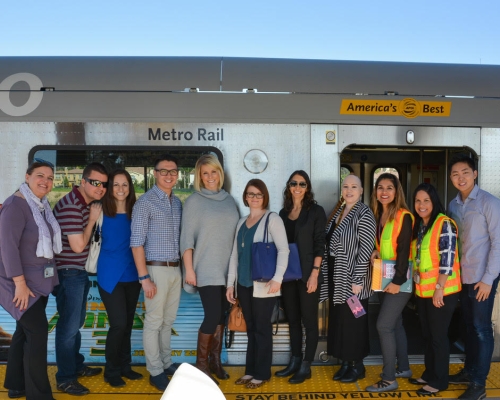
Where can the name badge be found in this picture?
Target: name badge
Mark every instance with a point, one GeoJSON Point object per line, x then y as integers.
{"type": "Point", "coordinates": [416, 277]}
{"type": "Point", "coordinates": [48, 270]}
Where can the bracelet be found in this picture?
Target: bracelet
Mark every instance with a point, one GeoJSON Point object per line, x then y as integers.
{"type": "Point", "coordinates": [316, 268]}
{"type": "Point", "coordinates": [141, 278]}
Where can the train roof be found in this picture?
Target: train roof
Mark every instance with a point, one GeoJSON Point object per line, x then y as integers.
{"type": "Point", "coordinates": [221, 74]}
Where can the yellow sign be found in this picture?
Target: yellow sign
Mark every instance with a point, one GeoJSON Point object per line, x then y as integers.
{"type": "Point", "coordinates": [409, 108]}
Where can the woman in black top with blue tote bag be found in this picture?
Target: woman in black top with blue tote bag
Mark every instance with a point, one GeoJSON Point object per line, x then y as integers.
{"type": "Point", "coordinates": [305, 226]}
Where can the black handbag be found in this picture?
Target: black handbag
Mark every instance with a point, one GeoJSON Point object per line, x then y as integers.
{"type": "Point", "coordinates": [278, 316]}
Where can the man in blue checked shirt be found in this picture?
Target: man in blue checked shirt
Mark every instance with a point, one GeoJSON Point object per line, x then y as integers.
{"type": "Point", "coordinates": [477, 214]}
{"type": "Point", "coordinates": [156, 220]}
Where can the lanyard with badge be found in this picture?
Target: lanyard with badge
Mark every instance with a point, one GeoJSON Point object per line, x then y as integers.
{"type": "Point", "coordinates": [49, 268]}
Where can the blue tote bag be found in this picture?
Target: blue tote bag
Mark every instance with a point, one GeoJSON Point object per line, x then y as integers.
{"type": "Point", "coordinates": [265, 256]}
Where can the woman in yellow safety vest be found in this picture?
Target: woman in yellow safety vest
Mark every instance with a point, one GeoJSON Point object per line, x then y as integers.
{"type": "Point", "coordinates": [393, 240]}
{"type": "Point", "coordinates": [436, 273]}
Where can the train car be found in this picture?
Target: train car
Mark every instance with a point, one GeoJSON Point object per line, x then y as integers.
{"type": "Point", "coordinates": [262, 118]}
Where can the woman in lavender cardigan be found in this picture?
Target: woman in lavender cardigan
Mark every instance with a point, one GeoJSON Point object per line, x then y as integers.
{"type": "Point", "coordinates": [29, 237]}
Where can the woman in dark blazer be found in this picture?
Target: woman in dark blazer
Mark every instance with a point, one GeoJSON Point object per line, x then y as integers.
{"type": "Point", "coordinates": [305, 225]}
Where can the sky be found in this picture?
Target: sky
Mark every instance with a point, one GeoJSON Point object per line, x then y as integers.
{"type": "Point", "coordinates": [440, 31]}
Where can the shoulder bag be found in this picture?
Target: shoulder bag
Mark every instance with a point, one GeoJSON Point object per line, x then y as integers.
{"type": "Point", "coordinates": [265, 256]}
{"type": "Point", "coordinates": [95, 246]}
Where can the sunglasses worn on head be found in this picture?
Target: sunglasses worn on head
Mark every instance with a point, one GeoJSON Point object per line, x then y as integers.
{"type": "Point", "coordinates": [165, 172]}
{"type": "Point", "coordinates": [295, 183]}
{"type": "Point", "coordinates": [96, 183]}
{"type": "Point", "coordinates": [42, 161]}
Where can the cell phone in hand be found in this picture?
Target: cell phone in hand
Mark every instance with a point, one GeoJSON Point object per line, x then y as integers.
{"type": "Point", "coordinates": [355, 306]}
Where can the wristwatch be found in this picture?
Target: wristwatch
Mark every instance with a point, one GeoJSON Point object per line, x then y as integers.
{"type": "Point", "coordinates": [141, 278]}
{"type": "Point", "coordinates": [316, 268]}
{"type": "Point", "coordinates": [439, 287]}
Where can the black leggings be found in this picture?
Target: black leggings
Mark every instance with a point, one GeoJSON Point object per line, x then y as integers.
{"type": "Point", "coordinates": [215, 304]}
{"type": "Point", "coordinates": [301, 308]}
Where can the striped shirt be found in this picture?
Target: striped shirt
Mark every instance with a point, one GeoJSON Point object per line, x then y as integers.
{"type": "Point", "coordinates": [156, 220]}
{"type": "Point", "coordinates": [351, 244]}
{"type": "Point", "coordinates": [72, 214]}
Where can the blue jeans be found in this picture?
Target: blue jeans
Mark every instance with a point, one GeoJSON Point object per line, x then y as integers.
{"type": "Point", "coordinates": [71, 298]}
{"type": "Point", "coordinates": [479, 341]}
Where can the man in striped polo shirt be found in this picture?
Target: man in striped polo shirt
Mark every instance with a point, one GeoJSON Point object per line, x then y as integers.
{"type": "Point", "coordinates": [76, 214]}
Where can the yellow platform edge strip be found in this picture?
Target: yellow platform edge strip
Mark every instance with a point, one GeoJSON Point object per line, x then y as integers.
{"type": "Point", "coordinates": [320, 387]}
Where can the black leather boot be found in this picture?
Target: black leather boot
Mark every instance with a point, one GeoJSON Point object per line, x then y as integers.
{"type": "Point", "coordinates": [302, 374]}
{"type": "Point", "coordinates": [340, 373]}
{"type": "Point", "coordinates": [355, 371]}
{"type": "Point", "coordinates": [292, 367]}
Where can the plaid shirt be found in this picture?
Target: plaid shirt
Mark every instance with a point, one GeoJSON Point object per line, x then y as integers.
{"type": "Point", "coordinates": [156, 221]}
{"type": "Point", "coordinates": [447, 246]}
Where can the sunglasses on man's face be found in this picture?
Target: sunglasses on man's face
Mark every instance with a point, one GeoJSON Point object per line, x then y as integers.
{"type": "Point", "coordinates": [295, 183]}
{"type": "Point", "coordinates": [96, 183]}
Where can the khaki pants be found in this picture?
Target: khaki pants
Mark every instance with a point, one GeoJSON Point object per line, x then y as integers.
{"type": "Point", "coordinates": [161, 312]}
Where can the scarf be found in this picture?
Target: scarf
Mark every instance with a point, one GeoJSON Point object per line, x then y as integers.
{"type": "Point", "coordinates": [46, 245]}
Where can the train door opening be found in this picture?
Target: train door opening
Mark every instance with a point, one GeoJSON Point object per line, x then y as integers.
{"type": "Point", "coordinates": [412, 166]}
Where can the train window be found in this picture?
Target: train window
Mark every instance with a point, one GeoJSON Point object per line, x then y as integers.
{"type": "Point", "coordinates": [382, 170]}
{"type": "Point", "coordinates": [344, 171]}
{"type": "Point", "coordinates": [139, 163]}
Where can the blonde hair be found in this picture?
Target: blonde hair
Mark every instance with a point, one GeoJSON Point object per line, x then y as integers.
{"type": "Point", "coordinates": [207, 159]}
{"type": "Point", "coordinates": [341, 201]}
{"type": "Point", "coordinates": [399, 199]}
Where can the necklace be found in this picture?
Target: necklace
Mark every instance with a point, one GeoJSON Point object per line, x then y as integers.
{"type": "Point", "coordinates": [248, 229]}
{"type": "Point", "coordinates": [244, 234]}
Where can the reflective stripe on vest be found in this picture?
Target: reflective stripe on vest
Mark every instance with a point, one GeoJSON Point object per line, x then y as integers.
{"type": "Point", "coordinates": [430, 261]}
{"type": "Point", "coordinates": [389, 239]}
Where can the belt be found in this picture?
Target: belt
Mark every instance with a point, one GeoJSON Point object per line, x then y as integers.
{"type": "Point", "coordinates": [163, 263]}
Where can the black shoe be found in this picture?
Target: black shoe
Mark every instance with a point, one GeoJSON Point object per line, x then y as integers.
{"type": "Point", "coordinates": [160, 381]}
{"type": "Point", "coordinates": [354, 372]}
{"type": "Point", "coordinates": [461, 378]}
{"type": "Point", "coordinates": [340, 373]}
{"type": "Point", "coordinates": [415, 381]}
{"type": "Point", "coordinates": [74, 388]}
{"type": "Point", "coordinates": [302, 374]}
{"type": "Point", "coordinates": [114, 381]}
{"type": "Point", "coordinates": [132, 375]}
{"type": "Point", "coordinates": [14, 394]}
{"type": "Point", "coordinates": [424, 392]}
{"type": "Point", "coordinates": [473, 392]}
{"type": "Point", "coordinates": [292, 367]}
{"type": "Point", "coordinates": [171, 370]}
{"type": "Point", "coordinates": [89, 371]}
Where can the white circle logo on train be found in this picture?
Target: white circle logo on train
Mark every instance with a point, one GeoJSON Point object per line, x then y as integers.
{"type": "Point", "coordinates": [34, 99]}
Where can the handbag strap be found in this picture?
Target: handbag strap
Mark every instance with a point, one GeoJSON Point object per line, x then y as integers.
{"type": "Point", "coordinates": [266, 231]}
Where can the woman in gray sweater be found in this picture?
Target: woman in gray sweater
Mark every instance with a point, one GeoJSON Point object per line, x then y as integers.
{"type": "Point", "coordinates": [207, 231]}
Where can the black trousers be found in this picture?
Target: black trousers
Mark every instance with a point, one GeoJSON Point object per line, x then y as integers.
{"type": "Point", "coordinates": [301, 308]}
{"type": "Point", "coordinates": [27, 359]}
{"type": "Point", "coordinates": [257, 312]}
{"type": "Point", "coordinates": [435, 322]}
{"type": "Point", "coordinates": [120, 306]}
{"type": "Point", "coordinates": [215, 304]}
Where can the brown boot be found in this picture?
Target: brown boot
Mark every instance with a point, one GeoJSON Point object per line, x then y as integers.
{"type": "Point", "coordinates": [214, 357]}
{"type": "Point", "coordinates": [204, 345]}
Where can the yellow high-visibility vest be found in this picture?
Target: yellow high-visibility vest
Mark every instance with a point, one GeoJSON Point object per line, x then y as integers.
{"type": "Point", "coordinates": [428, 268]}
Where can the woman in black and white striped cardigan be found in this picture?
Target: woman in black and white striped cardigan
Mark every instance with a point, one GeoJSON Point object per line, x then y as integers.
{"type": "Point", "coordinates": [350, 241]}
